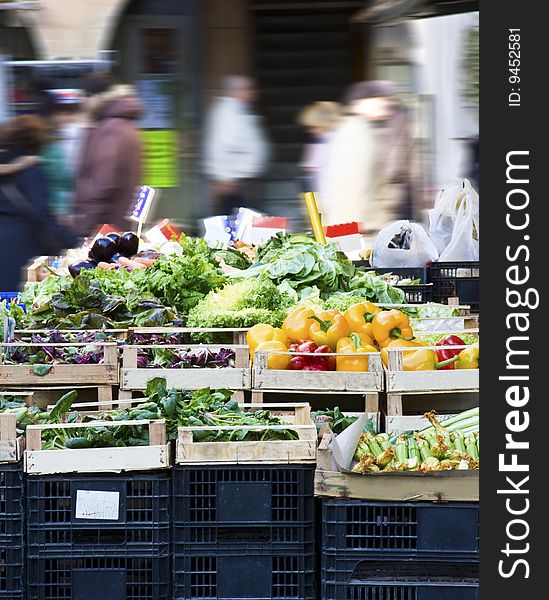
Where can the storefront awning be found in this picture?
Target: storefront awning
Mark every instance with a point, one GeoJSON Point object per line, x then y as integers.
{"type": "Point", "coordinates": [65, 29]}
{"type": "Point", "coordinates": [386, 12]}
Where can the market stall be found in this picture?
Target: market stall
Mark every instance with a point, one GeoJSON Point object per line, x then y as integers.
{"type": "Point", "coordinates": [213, 358]}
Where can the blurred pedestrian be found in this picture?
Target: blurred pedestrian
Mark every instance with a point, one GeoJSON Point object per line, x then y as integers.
{"type": "Point", "coordinates": [110, 168]}
{"type": "Point", "coordinates": [320, 119]}
{"type": "Point", "coordinates": [61, 152]}
{"type": "Point", "coordinates": [369, 174]}
{"type": "Point", "coordinates": [236, 149]}
{"type": "Point", "coordinates": [27, 226]}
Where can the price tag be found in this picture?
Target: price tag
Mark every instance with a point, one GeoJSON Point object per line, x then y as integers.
{"type": "Point", "coordinates": [94, 504]}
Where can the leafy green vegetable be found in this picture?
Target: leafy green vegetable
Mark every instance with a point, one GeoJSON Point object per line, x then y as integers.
{"type": "Point", "coordinates": [41, 369]}
{"type": "Point", "coordinates": [234, 258]}
{"type": "Point", "coordinates": [241, 304]}
{"type": "Point", "coordinates": [302, 262]}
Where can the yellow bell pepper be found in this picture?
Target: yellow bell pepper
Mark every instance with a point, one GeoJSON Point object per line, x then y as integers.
{"type": "Point", "coordinates": [389, 325]}
{"type": "Point", "coordinates": [469, 358]}
{"type": "Point", "coordinates": [415, 360]}
{"type": "Point", "coordinates": [359, 317]}
{"type": "Point", "coordinates": [279, 362]}
{"type": "Point", "coordinates": [262, 332]}
{"type": "Point", "coordinates": [297, 324]}
{"type": "Point", "coordinates": [328, 328]}
{"type": "Point", "coordinates": [354, 344]}
{"type": "Point", "coordinates": [398, 343]}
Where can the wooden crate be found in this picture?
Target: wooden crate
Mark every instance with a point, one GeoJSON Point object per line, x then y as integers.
{"type": "Point", "coordinates": [237, 378]}
{"type": "Point", "coordinates": [399, 383]}
{"type": "Point", "coordinates": [318, 381]}
{"type": "Point", "coordinates": [23, 375]}
{"type": "Point", "coordinates": [37, 271]}
{"type": "Point", "coordinates": [97, 460]}
{"type": "Point", "coordinates": [302, 450]}
{"type": "Point", "coordinates": [238, 333]}
{"type": "Point", "coordinates": [444, 486]}
{"type": "Point", "coordinates": [416, 405]}
{"type": "Point", "coordinates": [12, 446]}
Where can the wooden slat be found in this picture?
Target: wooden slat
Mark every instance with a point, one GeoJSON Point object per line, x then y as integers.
{"type": "Point", "coordinates": [22, 375]}
{"type": "Point", "coordinates": [8, 427]}
{"type": "Point", "coordinates": [187, 379]}
{"type": "Point", "coordinates": [97, 460]}
{"type": "Point", "coordinates": [444, 488]}
{"type": "Point", "coordinates": [336, 381]}
{"type": "Point", "coordinates": [280, 451]}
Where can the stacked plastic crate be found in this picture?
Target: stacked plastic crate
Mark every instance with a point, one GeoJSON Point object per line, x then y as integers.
{"type": "Point", "coordinates": [98, 536]}
{"type": "Point", "coordinates": [399, 551]}
{"type": "Point", "coordinates": [11, 531]}
{"type": "Point", "coordinates": [243, 531]}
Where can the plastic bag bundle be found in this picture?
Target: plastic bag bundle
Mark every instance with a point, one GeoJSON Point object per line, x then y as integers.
{"type": "Point", "coordinates": [454, 224]}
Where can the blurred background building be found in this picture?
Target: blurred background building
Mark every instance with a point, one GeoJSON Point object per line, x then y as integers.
{"type": "Point", "coordinates": [176, 53]}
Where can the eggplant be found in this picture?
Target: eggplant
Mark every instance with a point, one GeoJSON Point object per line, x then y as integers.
{"type": "Point", "coordinates": [114, 237]}
{"type": "Point", "coordinates": [75, 269]}
{"type": "Point", "coordinates": [103, 249]}
{"type": "Point", "coordinates": [116, 257]}
{"type": "Point", "coordinates": [128, 244]}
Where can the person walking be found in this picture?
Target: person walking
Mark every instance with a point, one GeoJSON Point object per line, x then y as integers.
{"type": "Point", "coordinates": [319, 119]}
{"type": "Point", "coordinates": [236, 149]}
{"type": "Point", "coordinates": [28, 228]}
{"type": "Point", "coordinates": [369, 173]}
{"type": "Point", "coordinates": [110, 168]}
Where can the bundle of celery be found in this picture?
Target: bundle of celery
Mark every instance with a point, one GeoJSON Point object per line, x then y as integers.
{"type": "Point", "coordinates": [434, 449]}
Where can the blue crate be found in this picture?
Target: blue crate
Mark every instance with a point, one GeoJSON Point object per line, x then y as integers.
{"type": "Point", "coordinates": [235, 576]}
{"type": "Point", "coordinates": [246, 507]}
{"type": "Point", "coordinates": [12, 297]}
{"type": "Point", "coordinates": [361, 529]}
{"type": "Point", "coordinates": [55, 529]}
{"type": "Point", "coordinates": [411, 580]}
{"type": "Point", "coordinates": [93, 578]}
{"type": "Point", "coordinates": [11, 531]}
{"type": "Point", "coordinates": [11, 505]}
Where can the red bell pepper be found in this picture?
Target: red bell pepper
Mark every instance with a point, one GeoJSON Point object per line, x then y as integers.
{"type": "Point", "coordinates": [448, 353]}
{"type": "Point", "coordinates": [311, 363]}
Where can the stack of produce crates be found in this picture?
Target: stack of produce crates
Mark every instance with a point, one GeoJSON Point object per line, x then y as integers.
{"type": "Point", "coordinates": [399, 550]}
{"type": "Point", "coordinates": [243, 531]}
{"type": "Point", "coordinates": [98, 536]}
{"type": "Point", "coordinates": [11, 530]}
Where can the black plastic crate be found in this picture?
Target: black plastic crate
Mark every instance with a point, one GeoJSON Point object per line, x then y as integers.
{"type": "Point", "coordinates": [11, 505]}
{"type": "Point", "coordinates": [11, 572]}
{"type": "Point", "coordinates": [227, 576]}
{"type": "Point", "coordinates": [76, 514]}
{"type": "Point", "coordinates": [361, 529]}
{"type": "Point", "coordinates": [411, 580]}
{"type": "Point", "coordinates": [93, 578]}
{"type": "Point", "coordinates": [456, 279]}
{"type": "Point", "coordinates": [418, 294]}
{"type": "Point", "coordinates": [243, 506]}
{"type": "Point", "coordinates": [421, 273]}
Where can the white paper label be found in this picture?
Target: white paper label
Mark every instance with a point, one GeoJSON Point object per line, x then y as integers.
{"type": "Point", "coordinates": [93, 504]}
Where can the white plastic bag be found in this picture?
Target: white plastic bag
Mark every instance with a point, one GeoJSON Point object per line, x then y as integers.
{"type": "Point", "coordinates": [442, 218]}
{"type": "Point", "coordinates": [421, 251]}
{"type": "Point", "coordinates": [464, 244]}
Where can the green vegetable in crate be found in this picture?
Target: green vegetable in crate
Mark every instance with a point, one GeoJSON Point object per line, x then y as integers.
{"type": "Point", "coordinates": [434, 449]}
